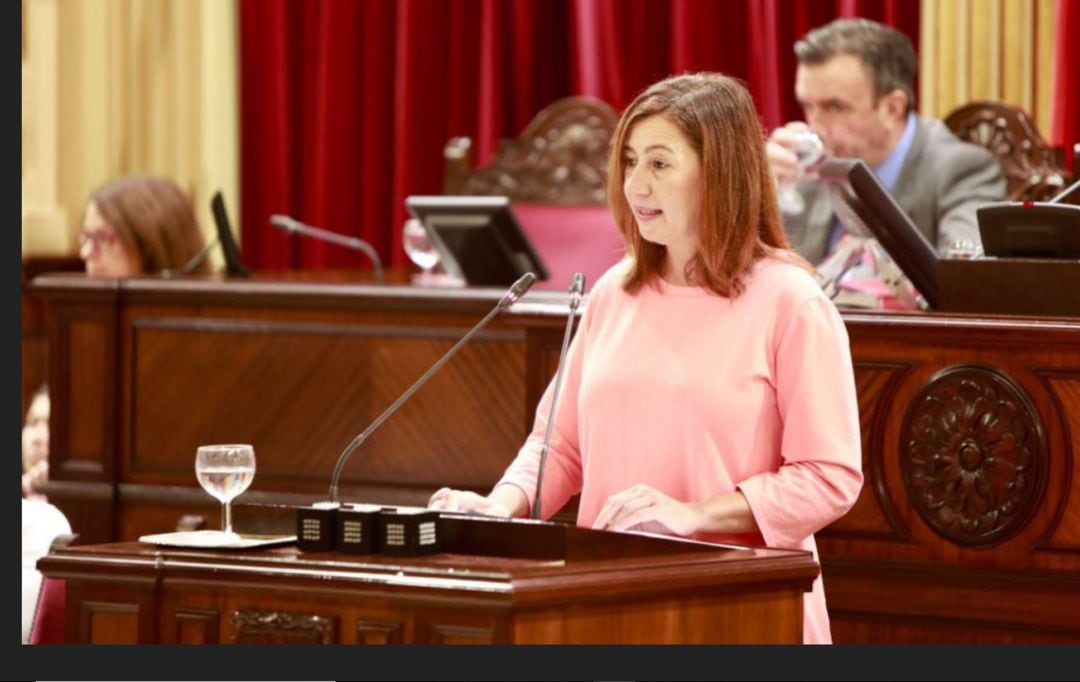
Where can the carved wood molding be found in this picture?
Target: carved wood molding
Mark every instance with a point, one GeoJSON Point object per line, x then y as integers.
{"type": "Point", "coordinates": [370, 631]}
{"type": "Point", "coordinates": [1033, 169]}
{"type": "Point", "coordinates": [195, 626]}
{"type": "Point", "coordinates": [560, 158]}
{"type": "Point", "coordinates": [1049, 378]}
{"type": "Point", "coordinates": [124, 629]}
{"type": "Point", "coordinates": [258, 627]}
{"type": "Point", "coordinates": [443, 633]}
{"type": "Point", "coordinates": [212, 325]}
{"type": "Point", "coordinates": [893, 374]}
{"type": "Point", "coordinates": [973, 455]}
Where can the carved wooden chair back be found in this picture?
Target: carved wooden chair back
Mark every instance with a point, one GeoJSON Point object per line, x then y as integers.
{"type": "Point", "coordinates": [559, 159]}
{"type": "Point", "coordinates": [1034, 170]}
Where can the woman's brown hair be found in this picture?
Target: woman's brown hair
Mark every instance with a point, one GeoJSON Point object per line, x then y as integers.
{"type": "Point", "coordinates": [739, 217]}
{"type": "Point", "coordinates": [152, 216]}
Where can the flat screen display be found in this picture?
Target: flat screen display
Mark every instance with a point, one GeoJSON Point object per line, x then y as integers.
{"type": "Point", "coordinates": [478, 238]}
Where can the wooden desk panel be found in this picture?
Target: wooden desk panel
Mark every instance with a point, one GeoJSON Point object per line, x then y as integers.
{"type": "Point", "coordinates": [991, 554]}
{"type": "Point", "coordinates": [636, 590]}
{"type": "Point", "coordinates": [180, 350]}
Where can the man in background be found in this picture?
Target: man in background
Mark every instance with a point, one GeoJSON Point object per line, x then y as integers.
{"type": "Point", "coordinates": [855, 82]}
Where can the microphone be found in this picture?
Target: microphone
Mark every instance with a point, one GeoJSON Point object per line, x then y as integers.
{"type": "Point", "coordinates": [577, 288]}
{"type": "Point", "coordinates": [1060, 197]}
{"type": "Point", "coordinates": [190, 266]}
{"type": "Point", "coordinates": [294, 226]}
{"type": "Point", "coordinates": [512, 296]}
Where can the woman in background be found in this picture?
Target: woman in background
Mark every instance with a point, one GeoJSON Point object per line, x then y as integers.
{"type": "Point", "coordinates": [35, 443]}
{"type": "Point", "coordinates": [709, 391]}
{"type": "Point", "coordinates": [41, 521]}
{"type": "Point", "coordinates": [140, 225]}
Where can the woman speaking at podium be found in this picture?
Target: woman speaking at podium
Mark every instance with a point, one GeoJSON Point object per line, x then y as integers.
{"type": "Point", "coordinates": [708, 392]}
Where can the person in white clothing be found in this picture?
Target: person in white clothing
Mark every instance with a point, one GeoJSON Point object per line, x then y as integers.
{"type": "Point", "coordinates": [41, 524]}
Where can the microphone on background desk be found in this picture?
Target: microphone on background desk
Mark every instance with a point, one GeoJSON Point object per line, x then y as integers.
{"type": "Point", "coordinates": [577, 288]}
{"type": "Point", "coordinates": [316, 526]}
{"type": "Point", "coordinates": [294, 226]}
{"type": "Point", "coordinates": [190, 267]}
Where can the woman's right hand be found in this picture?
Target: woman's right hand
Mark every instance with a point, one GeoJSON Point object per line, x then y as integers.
{"type": "Point", "coordinates": [447, 499]}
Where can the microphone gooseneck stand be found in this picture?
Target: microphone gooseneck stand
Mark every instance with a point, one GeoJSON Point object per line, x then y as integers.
{"type": "Point", "coordinates": [577, 288]}
{"type": "Point", "coordinates": [294, 226]}
{"type": "Point", "coordinates": [512, 296]}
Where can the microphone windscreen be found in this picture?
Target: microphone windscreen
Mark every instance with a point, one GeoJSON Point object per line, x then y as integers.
{"type": "Point", "coordinates": [578, 285]}
{"type": "Point", "coordinates": [523, 284]}
{"type": "Point", "coordinates": [517, 290]}
{"type": "Point", "coordinates": [283, 222]}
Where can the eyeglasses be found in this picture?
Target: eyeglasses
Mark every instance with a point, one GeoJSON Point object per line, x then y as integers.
{"type": "Point", "coordinates": [99, 238]}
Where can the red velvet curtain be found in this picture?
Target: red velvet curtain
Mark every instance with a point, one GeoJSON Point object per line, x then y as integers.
{"type": "Point", "coordinates": [346, 105]}
{"type": "Point", "coordinates": [1065, 91]}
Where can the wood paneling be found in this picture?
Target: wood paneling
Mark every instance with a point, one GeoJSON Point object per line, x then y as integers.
{"type": "Point", "coordinates": [276, 627]}
{"type": "Point", "coordinates": [1063, 532]}
{"type": "Point", "coordinates": [370, 631]}
{"type": "Point", "coordinates": [299, 368]}
{"type": "Point", "coordinates": [930, 583]}
{"type": "Point", "coordinates": [108, 623]}
{"type": "Point", "coordinates": [602, 587]}
{"type": "Point", "coordinates": [196, 626]}
{"type": "Point", "coordinates": [35, 335]}
{"type": "Point", "coordinates": [235, 386]}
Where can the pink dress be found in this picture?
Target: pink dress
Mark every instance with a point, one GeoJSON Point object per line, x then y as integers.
{"type": "Point", "coordinates": [698, 395]}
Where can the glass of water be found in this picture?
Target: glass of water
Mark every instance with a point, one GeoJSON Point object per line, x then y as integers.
{"type": "Point", "coordinates": [808, 150]}
{"type": "Point", "coordinates": [418, 248]}
{"type": "Point", "coordinates": [964, 249]}
{"type": "Point", "coordinates": [225, 471]}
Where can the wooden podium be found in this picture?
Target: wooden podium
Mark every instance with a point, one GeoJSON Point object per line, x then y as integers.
{"type": "Point", "coordinates": [560, 584]}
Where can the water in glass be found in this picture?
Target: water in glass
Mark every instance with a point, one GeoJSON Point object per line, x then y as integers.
{"type": "Point", "coordinates": [225, 471]}
{"type": "Point", "coordinates": [418, 247]}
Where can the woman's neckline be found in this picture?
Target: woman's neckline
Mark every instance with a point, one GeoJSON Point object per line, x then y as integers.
{"type": "Point", "coordinates": [669, 289]}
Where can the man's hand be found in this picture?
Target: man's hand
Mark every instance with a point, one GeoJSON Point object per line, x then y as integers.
{"type": "Point", "coordinates": [779, 149]}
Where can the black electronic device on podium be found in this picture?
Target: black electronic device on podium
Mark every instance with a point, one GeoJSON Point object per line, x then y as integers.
{"type": "Point", "coordinates": [478, 238]}
{"type": "Point", "coordinates": [1032, 263]}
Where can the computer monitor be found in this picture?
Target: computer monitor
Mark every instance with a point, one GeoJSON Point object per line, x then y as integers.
{"type": "Point", "coordinates": [478, 238]}
{"type": "Point", "coordinates": [233, 266]}
{"type": "Point", "coordinates": [861, 202]}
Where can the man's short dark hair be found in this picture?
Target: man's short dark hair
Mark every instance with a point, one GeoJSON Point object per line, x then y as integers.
{"type": "Point", "coordinates": [886, 53]}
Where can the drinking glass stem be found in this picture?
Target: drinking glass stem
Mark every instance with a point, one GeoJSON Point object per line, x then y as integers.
{"type": "Point", "coordinates": [226, 517]}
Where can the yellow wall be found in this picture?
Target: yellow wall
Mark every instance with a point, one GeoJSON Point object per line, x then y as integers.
{"type": "Point", "coordinates": [986, 49]}
{"type": "Point", "coordinates": [119, 87]}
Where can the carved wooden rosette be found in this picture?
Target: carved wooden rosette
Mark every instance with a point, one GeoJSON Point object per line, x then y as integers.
{"type": "Point", "coordinates": [973, 455]}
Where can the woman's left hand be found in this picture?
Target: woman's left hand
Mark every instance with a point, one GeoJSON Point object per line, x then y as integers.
{"type": "Point", "coordinates": [643, 508]}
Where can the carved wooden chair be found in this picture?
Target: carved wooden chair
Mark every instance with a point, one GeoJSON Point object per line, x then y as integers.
{"type": "Point", "coordinates": [1034, 170]}
{"type": "Point", "coordinates": [560, 158]}
{"type": "Point", "coordinates": [554, 174]}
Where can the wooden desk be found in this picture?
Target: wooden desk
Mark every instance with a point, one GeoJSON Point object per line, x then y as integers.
{"type": "Point", "coordinates": [604, 588]}
{"type": "Point", "coordinates": [143, 371]}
